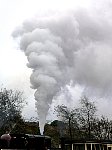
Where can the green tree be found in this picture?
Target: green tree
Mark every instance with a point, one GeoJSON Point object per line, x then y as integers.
{"type": "Point", "coordinates": [53, 132]}
{"type": "Point", "coordinates": [26, 127]}
{"type": "Point", "coordinates": [11, 104]}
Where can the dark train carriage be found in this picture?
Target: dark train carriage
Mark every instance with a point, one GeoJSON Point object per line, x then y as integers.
{"type": "Point", "coordinates": [67, 144]}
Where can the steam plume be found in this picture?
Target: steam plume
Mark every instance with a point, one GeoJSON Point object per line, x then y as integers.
{"type": "Point", "coordinates": [73, 46]}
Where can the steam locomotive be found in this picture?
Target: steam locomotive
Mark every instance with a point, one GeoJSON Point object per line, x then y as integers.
{"type": "Point", "coordinates": [25, 141]}
{"type": "Point", "coordinates": [41, 142]}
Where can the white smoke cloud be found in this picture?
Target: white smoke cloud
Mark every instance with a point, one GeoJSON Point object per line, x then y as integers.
{"type": "Point", "coordinates": [73, 46]}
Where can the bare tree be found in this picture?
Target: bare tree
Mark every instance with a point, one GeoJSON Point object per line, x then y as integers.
{"type": "Point", "coordinates": [68, 116]}
{"type": "Point", "coordinates": [87, 115]}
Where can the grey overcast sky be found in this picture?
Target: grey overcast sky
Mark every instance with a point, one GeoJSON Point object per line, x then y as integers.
{"type": "Point", "coordinates": [13, 71]}
{"type": "Point", "coordinates": [93, 24]}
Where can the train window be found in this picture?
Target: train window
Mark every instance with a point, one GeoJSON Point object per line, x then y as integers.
{"type": "Point", "coordinates": [105, 147]}
{"type": "Point", "coordinates": [101, 147]}
{"type": "Point", "coordinates": [74, 147]}
{"type": "Point", "coordinates": [68, 147]}
{"type": "Point", "coordinates": [78, 147]}
{"type": "Point", "coordinates": [97, 147]}
{"type": "Point", "coordinates": [88, 146]}
{"type": "Point", "coordinates": [93, 147]}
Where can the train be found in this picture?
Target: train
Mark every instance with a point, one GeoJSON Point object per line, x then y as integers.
{"type": "Point", "coordinates": [41, 142]}
{"type": "Point", "coordinates": [84, 144]}
{"type": "Point", "coordinates": [25, 141]}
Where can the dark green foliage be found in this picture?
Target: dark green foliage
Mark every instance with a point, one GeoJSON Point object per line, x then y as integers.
{"type": "Point", "coordinates": [26, 127]}
{"type": "Point", "coordinates": [52, 130]}
{"type": "Point", "coordinates": [83, 123]}
{"type": "Point", "coordinates": [11, 104]}
{"type": "Point", "coordinates": [69, 117]}
{"type": "Point", "coordinates": [79, 120]}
